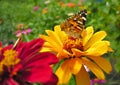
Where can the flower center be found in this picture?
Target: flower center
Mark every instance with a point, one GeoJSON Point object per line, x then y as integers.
{"type": "Point", "coordinates": [73, 43]}
{"type": "Point", "coordinates": [10, 58]}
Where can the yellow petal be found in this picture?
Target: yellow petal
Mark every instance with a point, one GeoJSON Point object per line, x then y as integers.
{"type": "Point", "coordinates": [63, 73]}
{"type": "Point", "coordinates": [97, 49]}
{"type": "Point", "coordinates": [82, 77]}
{"type": "Point", "coordinates": [110, 49]}
{"type": "Point", "coordinates": [75, 65]}
{"type": "Point", "coordinates": [77, 52]}
{"type": "Point", "coordinates": [63, 54]}
{"type": "Point", "coordinates": [98, 36]}
{"type": "Point", "coordinates": [103, 63]}
{"type": "Point", "coordinates": [47, 44]}
{"type": "Point", "coordinates": [51, 42]}
{"type": "Point", "coordinates": [94, 68]}
{"type": "Point", "coordinates": [49, 47]}
{"type": "Point", "coordinates": [54, 36]}
{"type": "Point", "coordinates": [62, 35]}
{"type": "Point", "coordinates": [89, 33]}
{"type": "Point", "coordinates": [45, 49]}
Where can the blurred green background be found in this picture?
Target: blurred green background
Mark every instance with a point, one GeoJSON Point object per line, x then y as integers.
{"type": "Point", "coordinates": [39, 15]}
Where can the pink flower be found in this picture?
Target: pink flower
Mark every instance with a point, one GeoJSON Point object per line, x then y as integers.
{"type": "Point", "coordinates": [27, 31]}
{"type": "Point", "coordinates": [35, 8]}
{"type": "Point", "coordinates": [22, 64]}
{"type": "Point", "coordinates": [98, 81]}
{"type": "Point", "coordinates": [20, 32]}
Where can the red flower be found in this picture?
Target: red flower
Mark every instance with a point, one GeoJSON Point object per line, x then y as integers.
{"type": "Point", "coordinates": [22, 64]}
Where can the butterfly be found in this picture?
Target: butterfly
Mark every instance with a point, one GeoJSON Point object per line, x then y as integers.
{"type": "Point", "coordinates": [74, 25]}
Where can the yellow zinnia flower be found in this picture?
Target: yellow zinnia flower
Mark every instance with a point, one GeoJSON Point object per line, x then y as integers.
{"type": "Point", "coordinates": [77, 52]}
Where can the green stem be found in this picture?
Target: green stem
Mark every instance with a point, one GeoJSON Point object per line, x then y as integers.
{"type": "Point", "coordinates": [74, 79]}
{"type": "Point", "coordinates": [26, 37]}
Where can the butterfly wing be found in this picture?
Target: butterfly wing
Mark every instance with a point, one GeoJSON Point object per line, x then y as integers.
{"type": "Point", "coordinates": [74, 24]}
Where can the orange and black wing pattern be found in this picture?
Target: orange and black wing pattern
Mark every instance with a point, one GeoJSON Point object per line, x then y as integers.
{"type": "Point", "coordinates": [74, 24]}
